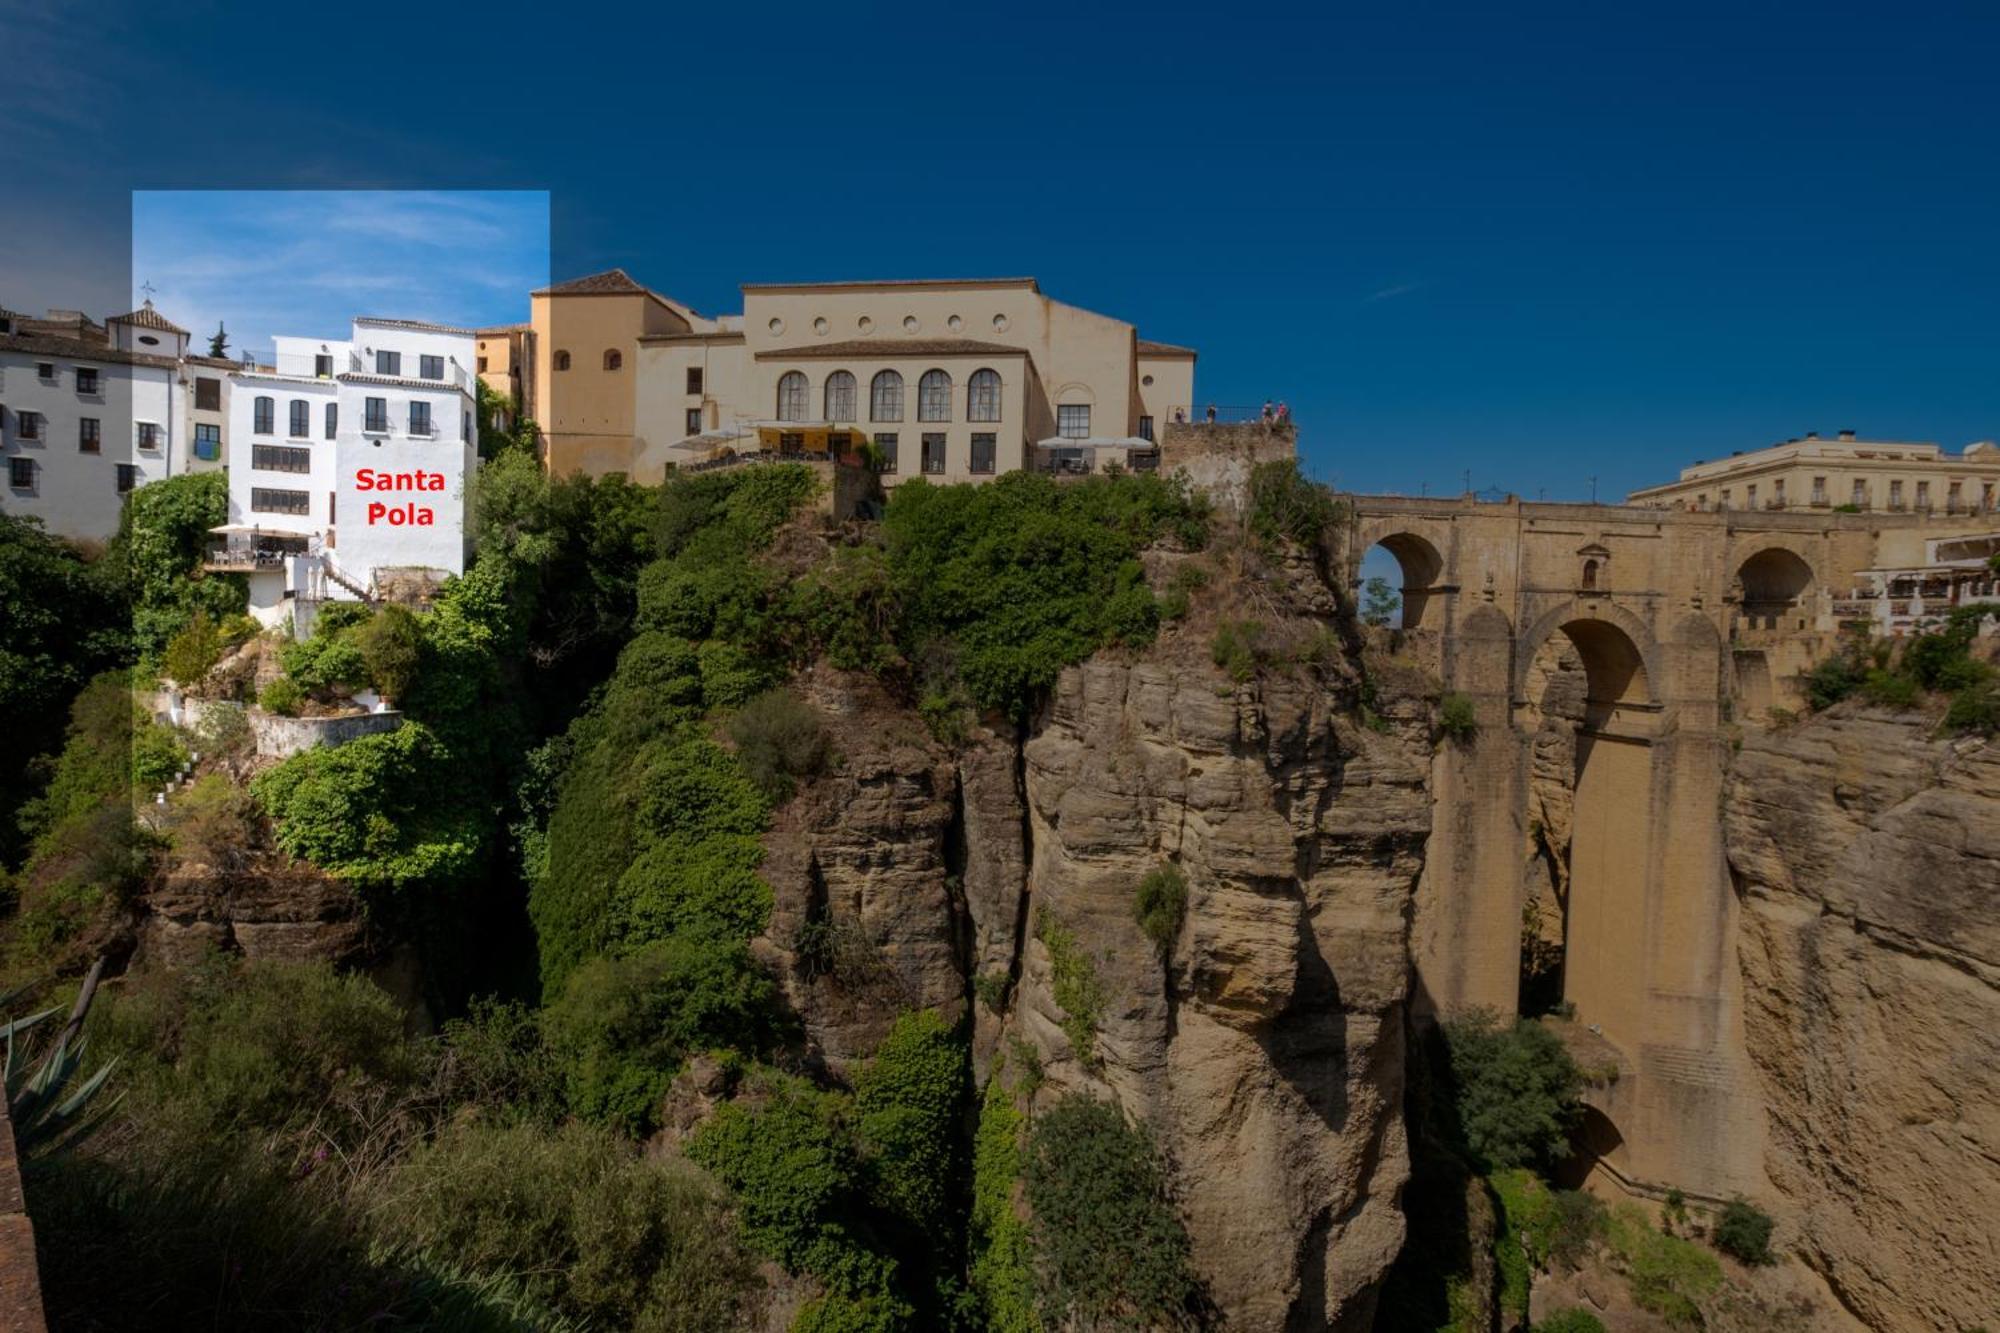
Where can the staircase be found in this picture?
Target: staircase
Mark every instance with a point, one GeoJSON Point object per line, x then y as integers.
{"type": "Point", "coordinates": [332, 571]}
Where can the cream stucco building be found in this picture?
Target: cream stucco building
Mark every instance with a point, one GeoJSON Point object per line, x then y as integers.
{"type": "Point", "coordinates": [952, 379]}
{"type": "Point", "coordinates": [1843, 473]}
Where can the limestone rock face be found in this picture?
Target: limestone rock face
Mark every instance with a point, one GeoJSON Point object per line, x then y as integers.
{"type": "Point", "coordinates": [289, 912]}
{"type": "Point", "coordinates": [1265, 1049]}
{"type": "Point", "coordinates": [1868, 859]}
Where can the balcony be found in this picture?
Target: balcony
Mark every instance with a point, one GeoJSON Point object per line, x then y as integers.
{"type": "Point", "coordinates": [240, 550]}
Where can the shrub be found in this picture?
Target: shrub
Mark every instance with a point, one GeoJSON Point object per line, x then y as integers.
{"type": "Point", "coordinates": [1890, 689]}
{"type": "Point", "coordinates": [1379, 601]}
{"type": "Point", "coordinates": [1286, 505]}
{"type": "Point", "coordinates": [1238, 648]}
{"type": "Point", "coordinates": [224, 729]}
{"type": "Point", "coordinates": [1974, 711]}
{"type": "Point", "coordinates": [1832, 680]}
{"type": "Point", "coordinates": [779, 739]}
{"type": "Point", "coordinates": [157, 754]}
{"type": "Point", "coordinates": [191, 653]}
{"type": "Point", "coordinates": [622, 1026]}
{"type": "Point", "coordinates": [282, 696]}
{"type": "Point", "coordinates": [1514, 1089]}
{"type": "Point", "coordinates": [1457, 717]}
{"type": "Point", "coordinates": [1108, 1245]}
{"type": "Point", "coordinates": [1002, 1272]}
{"type": "Point", "coordinates": [1667, 1275]}
{"type": "Point", "coordinates": [390, 645]}
{"type": "Point", "coordinates": [910, 1097]}
{"type": "Point", "coordinates": [1744, 1231]}
{"type": "Point", "coordinates": [215, 822]}
{"type": "Point", "coordinates": [1160, 904]}
{"type": "Point", "coordinates": [1073, 979]}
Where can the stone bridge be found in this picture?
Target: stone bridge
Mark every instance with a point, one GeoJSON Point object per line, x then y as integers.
{"type": "Point", "coordinates": [1682, 621]}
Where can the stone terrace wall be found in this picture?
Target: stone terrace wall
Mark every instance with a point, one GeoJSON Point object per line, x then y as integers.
{"type": "Point", "coordinates": [1218, 457]}
{"type": "Point", "coordinates": [279, 737]}
{"type": "Point", "coordinates": [20, 1284]}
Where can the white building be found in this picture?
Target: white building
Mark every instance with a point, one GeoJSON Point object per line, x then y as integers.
{"type": "Point", "coordinates": [86, 415]}
{"type": "Point", "coordinates": [352, 465]}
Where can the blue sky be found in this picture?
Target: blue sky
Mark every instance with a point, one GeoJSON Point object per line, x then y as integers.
{"type": "Point", "coordinates": [1533, 243]}
{"type": "Point", "coordinates": [265, 262]}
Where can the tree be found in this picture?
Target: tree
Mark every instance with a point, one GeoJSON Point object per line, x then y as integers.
{"type": "Point", "coordinates": [1515, 1089]}
{"type": "Point", "coordinates": [1379, 602]}
{"type": "Point", "coordinates": [218, 342]}
{"type": "Point", "coordinates": [391, 646]}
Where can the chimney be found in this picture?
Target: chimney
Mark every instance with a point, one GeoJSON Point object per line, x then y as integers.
{"type": "Point", "coordinates": [1847, 435]}
{"type": "Point", "coordinates": [1812, 435]}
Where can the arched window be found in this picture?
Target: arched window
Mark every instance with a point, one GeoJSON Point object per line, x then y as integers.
{"type": "Point", "coordinates": [982, 396]}
{"type": "Point", "coordinates": [613, 358]}
{"type": "Point", "coordinates": [934, 396]}
{"type": "Point", "coordinates": [792, 396]}
{"type": "Point", "coordinates": [562, 360]}
{"type": "Point", "coordinates": [885, 397]}
{"type": "Point", "coordinates": [265, 419]}
{"type": "Point", "coordinates": [840, 396]}
{"type": "Point", "coordinates": [301, 422]}
{"type": "Point", "coordinates": [1589, 575]}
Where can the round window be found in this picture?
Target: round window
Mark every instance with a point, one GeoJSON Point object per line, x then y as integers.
{"type": "Point", "coordinates": [910, 324]}
{"type": "Point", "coordinates": [954, 323]}
{"type": "Point", "coordinates": [777, 326]}
{"type": "Point", "coordinates": [820, 325]}
{"type": "Point", "coordinates": [1146, 380]}
{"type": "Point", "coordinates": [865, 324]}
{"type": "Point", "coordinates": [1000, 323]}
{"type": "Point", "coordinates": [149, 340]}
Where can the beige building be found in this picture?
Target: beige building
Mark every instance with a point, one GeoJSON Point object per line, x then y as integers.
{"type": "Point", "coordinates": [505, 356]}
{"type": "Point", "coordinates": [952, 379]}
{"type": "Point", "coordinates": [1844, 474]}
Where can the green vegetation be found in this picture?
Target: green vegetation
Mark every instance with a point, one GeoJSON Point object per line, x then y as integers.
{"type": "Point", "coordinates": [1937, 662]}
{"type": "Point", "coordinates": [1236, 648]}
{"type": "Point", "coordinates": [1110, 1251]}
{"type": "Point", "coordinates": [162, 535]}
{"type": "Point", "coordinates": [1667, 1275]}
{"type": "Point", "coordinates": [282, 696]}
{"type": "Point", "coordinates": [1514, 1088]}
{"type": "Point", "coordinates": [779, 739]}
{"type": "Point", "coordinates": [1379, 601]}
{"type": "Point", "coordinates": [1160, 904]}
{"type": "Point", "coordinates": [1073, 980]}
{"type": "Point", "coordinates": [1002, 1256]}
{"type": "Point", "coordinates": [191, 652]}
{"type": "Point", "coordinates": [1744, 1231]}
{"type": "Point", "coordinates": [1285, 505]}
{"type": "Point", "coordinates": [1571, 1321]}
{"type": "Point", "coordinates": [1457, 717]}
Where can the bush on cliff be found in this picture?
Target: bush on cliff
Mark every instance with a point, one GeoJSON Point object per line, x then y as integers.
{"type": "Point", "coordinates": [1514, 1090]}
{"type": "Point", "coordinates": [1744, 1231]}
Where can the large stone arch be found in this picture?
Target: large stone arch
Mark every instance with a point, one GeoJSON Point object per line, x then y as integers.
{"type": "Point", "coordinates": [1774, 585]}
{"type": "Point", "coordinates": [1422, 561]}
{"type": "Point", "coordinates": [1641, 687]}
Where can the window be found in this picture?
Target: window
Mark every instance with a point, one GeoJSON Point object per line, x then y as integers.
{"type": "Point", "coordinates": [149, 435]}
{"type": "Point", "coordinates": [792, 396]}
{"type": "Point", "coordinates": [389, 363]}
{"type": "Point", "coordinates": [465, 428]}
{"type": "Point", "coordinates": [694, 379]}
{"type": "Point", "coordinates": [1819, 490]}
{"type": "Point", "coordinates": [89, 436]}
{"type": "Point", "coordinates": [613, 358]}
{"type": "Point", "coordinates": [984, 447]}
{"type": "Point", "coordinates": [1778, 493]}
{"type": "Point", "coordinates": [1952, 494]}
{"type": "Point", "coordinates": [375, 415]}
{"type": "Point", "coordinates": [430, 367]}
{"type": "Point", "coordinates": [562, 360]}
{"type": "Point", "coordinates": [264, 420]}
{"type": "Point", "coordinates": [1860, 500]}
{"type": "Point", "coordinates": [840, 396]}
{"type": "Point", "coordinates": [1923, 495]}
{"type": "Point", "coordinates": [301, 423]}
{"type": "Point", "coordinates": [45, 371]}
{"type": "Point", "coordinates": [933, 453]}
{"type": "Point", "coordinates": [208, 395]}
{"type": "Point", "coordinates": [1750, 493]}
{"type": "Point", "coordinates": [21, 473]}
{"type": "Point", "coordinates": [332, 419]}
{"type": "Point", "coordinates": [266, 501]}
{"type": "Point", "coordinates": [482, 365]}
{"type": "Point", "coordinates": [1895, 495]}
{"type": "Point", "coordinates": [128, 477]}
{"type": "Point", "coordinates": [694, 421]}
{"type": "Point", "coordinates": [885, 397]}
{"type": "Point", "coordinates": [885, 445]}
{"type": "Point", "coordinates": [791, 442]}
{"type": "Point", "coordinates": [208, 442]}
{"type": "Point", "coordinates": [28, 425]}
{"type": "Point", "coordinates": [934, 397]}
{"type": "Point", "coordinates": [1723, 503]}
{"type": "Point", "coordinates": [87, 380]}
{"type": "Point", "coordinates": [323, 367]}
{"type": "Point", "coordinates": [280, 458]}
{"type": "Point", "coordinates": [1073, 421]}
{"type": "Point", "coordinates": [1146, 428]}
{"type": "Point", "coordinates": [1986, 497]}
{"type": "Point", "coordinates": [982, 396]}
{"type": "Point", "coordinates": [1589, 575]}
{"type": "Point", "coordinates": [420, 418]}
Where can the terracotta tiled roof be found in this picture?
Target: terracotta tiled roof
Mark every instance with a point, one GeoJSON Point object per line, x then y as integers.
{"type": "Point", "coordinates": [882, 349]}
{"type": "Point", "coordinates": [402, 381]}
{"type": "Point", "coordinates": [45, 344]}
{"type": "Point", "coordinates": [496, 330]}
{"type": "Point", "coordinates": [611, 282]}
{"type": "Point", "coordinates": [146, 317]}
{"type": "Point", "coordinates": [1147, 347]}
{"type": "Point", "coordinates": [1029, 283]}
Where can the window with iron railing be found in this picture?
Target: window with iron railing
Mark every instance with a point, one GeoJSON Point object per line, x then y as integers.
{"type": "Point", "coordinates": [128, 477]}
{"type": "Point", "coordinates": [88, 381]}
{"type": "Point", "coordinates": [375, 415]}
{"type": "Point", "coordinates": [420, 418]}
{"type": "Point", "coordinates": [694, 421]}
{"type": "Point", "coordinates": [89, 436]}
{"type": "Point", "coordinates": [885, 446]}
{"type": "Point", "coordinates": [149, 435]}
{"type": "Point", "coordinates": [984, 449]}
{"type": "Point", "coordinates": [207, 441]}
{"type": "Point", "coordinates": [934, 454]}
{"type": "Point", "coordinates": [21, 473]}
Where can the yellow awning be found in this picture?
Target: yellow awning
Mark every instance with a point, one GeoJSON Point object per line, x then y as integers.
{"type": "Point", "coordinates": [815, 437]}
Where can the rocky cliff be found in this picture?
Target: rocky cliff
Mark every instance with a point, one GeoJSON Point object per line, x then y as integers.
{"type": "Point", "coordinates": [1263, 1045]}
{"type": "Point", "coordinates": [1868, 860]}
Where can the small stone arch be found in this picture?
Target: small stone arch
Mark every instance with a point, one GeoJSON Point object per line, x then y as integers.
{"type": "Point", "coordinates": [1423, 571]}
{"type": "Point", "coordinates": [1773, 584]}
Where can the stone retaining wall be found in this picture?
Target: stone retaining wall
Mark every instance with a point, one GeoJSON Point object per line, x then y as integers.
{"type": "Point", "coordinates": [279, 737]}
{"type": "Point", "coordinates": [1218, 457]}
{"type": "Point", "coordinates": [20, 1282]}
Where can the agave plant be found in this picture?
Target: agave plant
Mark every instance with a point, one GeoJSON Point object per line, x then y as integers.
{"type": "Point", "coordinates": [48, 1114]}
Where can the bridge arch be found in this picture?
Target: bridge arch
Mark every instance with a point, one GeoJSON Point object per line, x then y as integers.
{"type": "Point", "coordinates": [1620, 655]}
{"type": "Point", "coordinates": [1776, 582]}
{"type": "Point", "coordinates": [1422, 565]}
